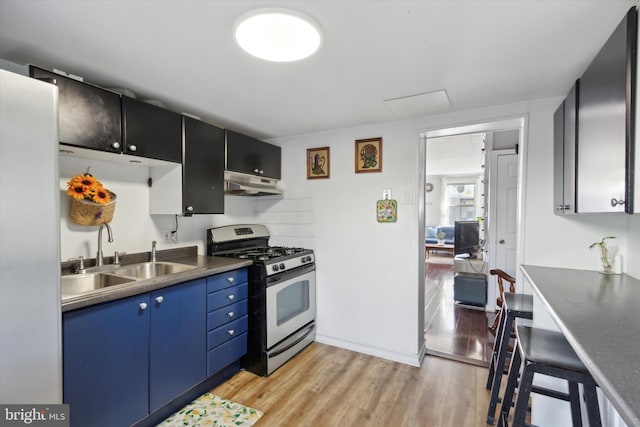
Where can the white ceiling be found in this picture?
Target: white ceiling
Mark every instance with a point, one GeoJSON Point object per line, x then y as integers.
{"type": "Point", "coordinates": [183, 54]}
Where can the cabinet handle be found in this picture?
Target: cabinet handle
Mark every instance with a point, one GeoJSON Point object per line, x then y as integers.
{"type": "Point", "coordinates": [159, 299]}
{"type": "Point", "coordinates": [189, 208]}
{"type": "Point", "coordinates": [261, 172]}
{"type": "Point", "coordinates": [115, 145]}
{"type": "Point", "coordinates": [615, 202]}
{"type": "Point", "coordinates": [231, 314]}
{"type": "Point", "coordinates": [256, 170]}
{"type": "Point", "coordinates": [132, 148]}
{"type": "Point", "coordinates": [143, 306]}
{"type": "Point", "coordinates": [230, 279]}
{"type": "Point", "coordinates": [231, 332]}
{"type": "Point", "coordinates": [559, 207]}
{"type": "Point", "coordinates": [231, 297]}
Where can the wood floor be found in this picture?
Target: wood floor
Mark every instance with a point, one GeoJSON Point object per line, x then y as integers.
{"type": "Point", "coordinates": [328, 386]}
{"type": "Point", "coordinates": [452, 330]}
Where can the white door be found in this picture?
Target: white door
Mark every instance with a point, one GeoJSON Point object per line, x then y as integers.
{"type": "Point", "coordinates": [506, 213]}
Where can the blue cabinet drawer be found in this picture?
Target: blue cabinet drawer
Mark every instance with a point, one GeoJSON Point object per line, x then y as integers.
{"type": "Point", "coordinates": [226, 354]}
{"type": "Point", "coordinates": [227, 296]}
{"type": "Point", "coordinates": [226, 314]}
{"type": "Point", "coordinates": [224, 280]}
{"type": "Point", "coordinates": [226, 332]}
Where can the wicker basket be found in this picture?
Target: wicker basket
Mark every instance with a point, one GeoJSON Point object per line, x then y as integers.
{"type": "Point", "coordinates": [86, 212]}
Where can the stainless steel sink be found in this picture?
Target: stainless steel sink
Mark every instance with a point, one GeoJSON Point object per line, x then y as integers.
{"type": "Point", "coordinates": [149, 270]}
{"type": "Point", "coordinates": [75, 284]}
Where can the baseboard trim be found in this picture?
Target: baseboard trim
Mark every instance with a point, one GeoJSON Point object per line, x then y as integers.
{"type": "Point", "coordinates": [407, 359]}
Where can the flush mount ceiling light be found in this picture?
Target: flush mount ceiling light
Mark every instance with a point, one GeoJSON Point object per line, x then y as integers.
{"type": "Point", "coordinates": [279, 35]}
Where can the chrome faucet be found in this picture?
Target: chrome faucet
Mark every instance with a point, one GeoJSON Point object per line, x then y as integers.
{"type": "Point", "coordinates": [99, 257]}
{"type": "Point", "coordinates": [153, 251]}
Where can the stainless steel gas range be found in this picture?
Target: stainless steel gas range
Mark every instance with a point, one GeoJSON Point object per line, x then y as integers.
{"type": "Point", "coordinates": [282, 294]}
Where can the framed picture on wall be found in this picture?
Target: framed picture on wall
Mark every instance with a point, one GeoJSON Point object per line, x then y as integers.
{"type": "Point", "coordinates": [318, 163]}
{"type": "Point", "coordinates": [368, 155]}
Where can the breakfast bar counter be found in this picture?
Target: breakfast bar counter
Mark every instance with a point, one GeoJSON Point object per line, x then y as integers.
{"type": "Point", "coordinates": [599, 315]}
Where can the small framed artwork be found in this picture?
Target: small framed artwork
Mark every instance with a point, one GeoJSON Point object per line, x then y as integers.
{"type": "Point", "coordinates": [369, 155]}
{"type": "Point", "coordinates": [318, 163]}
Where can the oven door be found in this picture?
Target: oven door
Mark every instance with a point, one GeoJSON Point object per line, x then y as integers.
{"type": "Point", "coordinates": [290, 303]}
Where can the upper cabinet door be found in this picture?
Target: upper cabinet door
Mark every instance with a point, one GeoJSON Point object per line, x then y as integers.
{"type": "Point", "coordinates": [151, 131]}
{"type": "Point", "coordinates": [606, 114]}
{"type": "Point", "coordinates": [564, 153]}
{"type": "Point", "coordinates": [252, 156]}
{"type": "Point", "coordinates": [89, 116]}
{"type": "Point", "coordinates": [203, 168]}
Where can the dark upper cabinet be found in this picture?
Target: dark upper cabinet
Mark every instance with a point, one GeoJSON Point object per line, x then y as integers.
{"type": "Point", "coordinates": [252, 156]}
{"type": "Point", "coordinates": [606, 115]}
{"type": "Point", "coordinates": [151, 131]}
{"type": "Point", "coordinates": [564, 153]}
{"type": "Point", "coordinates": [89, 116]}
{"type": "Point", "coordinates": [202, 168]}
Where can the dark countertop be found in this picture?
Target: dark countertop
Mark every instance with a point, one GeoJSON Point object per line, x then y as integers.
{"type": "Point", "coordinates": [205, 266]}
{"type": "Point", "coordinates": [600, 316]}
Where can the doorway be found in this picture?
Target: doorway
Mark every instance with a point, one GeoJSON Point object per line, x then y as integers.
{"type": "Point", "coordinates": [452, 329]}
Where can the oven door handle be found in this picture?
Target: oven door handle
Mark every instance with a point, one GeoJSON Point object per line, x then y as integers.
{"type": "Point", "coordinates": [293, 344]}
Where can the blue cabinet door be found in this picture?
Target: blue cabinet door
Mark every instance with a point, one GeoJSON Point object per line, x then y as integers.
{"type": "Point", "coordinates": [178, 341]}
{"type": "Point", "coordinates": [105, 360]}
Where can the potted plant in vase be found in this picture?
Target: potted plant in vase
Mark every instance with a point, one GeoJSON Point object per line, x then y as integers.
{"type": "Point", "coordinates": [440, 237]}
{"type": "Point", "coordinates": [606, 254]}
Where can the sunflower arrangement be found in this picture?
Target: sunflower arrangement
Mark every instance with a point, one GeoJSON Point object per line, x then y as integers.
{"type": "Point", "coordinates": [91, 203]}
{"type": "Point", "coordinates": [87, 187]}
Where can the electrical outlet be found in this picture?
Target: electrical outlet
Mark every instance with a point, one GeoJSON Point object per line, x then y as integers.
{"type": "Point", "coordinates": [170, 236]}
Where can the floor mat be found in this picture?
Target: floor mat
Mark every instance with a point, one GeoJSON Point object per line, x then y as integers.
{"type": "Point", "coordinates": [212, 410]}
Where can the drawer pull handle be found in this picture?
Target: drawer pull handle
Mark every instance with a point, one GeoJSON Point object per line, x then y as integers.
{"type": "Point", "coordinates": [231, 332]}
{"type": "Point", "coordinates": [143, 306]}
{"type": "Point", "coordinates": [159, 299]}
{"type": "Point", "coordinates": [231, 314]}
{"type": "Point", "coordinates": [231, 297]}
{"type": "Point", "coordinates": [230, 279]}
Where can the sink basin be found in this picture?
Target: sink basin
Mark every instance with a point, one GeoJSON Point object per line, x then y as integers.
{"type": "Point", "coordinates": [80, 283]}
{"type": "Point", "coordinates": [149, 270]}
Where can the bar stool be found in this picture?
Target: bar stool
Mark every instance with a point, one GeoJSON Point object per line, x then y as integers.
{"type": "Point", "coordinates": [548, 353]}
{"type": "Point", "coordinates": [513, 306]}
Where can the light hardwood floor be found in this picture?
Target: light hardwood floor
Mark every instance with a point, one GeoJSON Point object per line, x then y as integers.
{"type": "Point", "coordinates": [328, 386]}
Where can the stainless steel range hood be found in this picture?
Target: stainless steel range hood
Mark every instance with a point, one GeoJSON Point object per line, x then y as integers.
{"type": "Point", "coordinates": [241, 184]}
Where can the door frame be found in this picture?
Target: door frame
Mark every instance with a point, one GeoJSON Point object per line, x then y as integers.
{"type": "Point", "coordinates": [519, 121]}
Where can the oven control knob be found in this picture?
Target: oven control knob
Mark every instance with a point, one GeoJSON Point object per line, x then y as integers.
{"type": "Point", "coordinates": [282, 266]}
{"type": "Point", "coordinates": [275, 267]}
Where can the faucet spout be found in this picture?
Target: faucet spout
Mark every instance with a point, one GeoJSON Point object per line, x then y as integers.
{"type": "Point", "coordinates": [153, 251]}
{"type": "Point", "coordinates": [99, 255]}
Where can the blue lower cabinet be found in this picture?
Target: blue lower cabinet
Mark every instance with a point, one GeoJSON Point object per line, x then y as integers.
{"type": "Point", "coordinates": [226, 354]}
{"type": "Point", "coordinates": [177, 359]}
{"type": "Point", "coordinates": [226, 314]}
{"type": "Point", "coordinates": [132, 359]}
{"type": "Point", "coordinates": [226, 332]}
{"type": "Point", "coordinates": [105, 364]}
